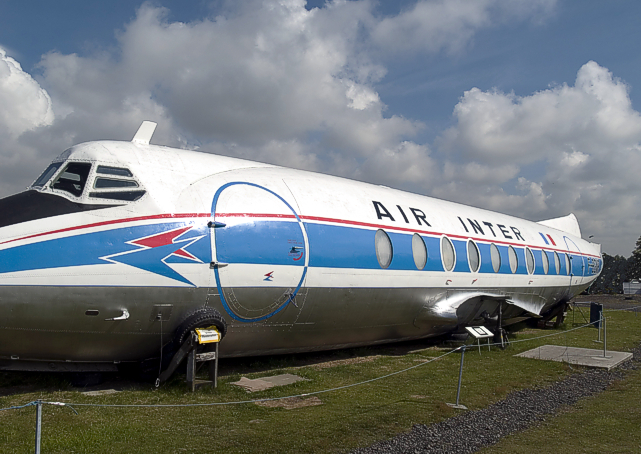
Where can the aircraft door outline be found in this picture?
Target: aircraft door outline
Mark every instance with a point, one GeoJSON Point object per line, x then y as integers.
{"type": "Point", "coordinates": [279, 258]}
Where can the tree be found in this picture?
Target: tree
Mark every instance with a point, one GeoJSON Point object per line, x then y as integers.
{"type": "Point", "coordinates": [614, 273]}
{"type": "Point", "coordinates": [634, 262]}
{"type": "Point", "coordinates": [617, 270]}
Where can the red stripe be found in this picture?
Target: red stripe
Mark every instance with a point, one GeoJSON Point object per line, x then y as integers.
{"type": "Point", "coordinates": [550, 237]}
{"type": "Point", "coordinates": [287, 216]}
{"type": "Point", "coordinates": [255, 215]}
{"type": "Point", "coordinates": [112, 222]}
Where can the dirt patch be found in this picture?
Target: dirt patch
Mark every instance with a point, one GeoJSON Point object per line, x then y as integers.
{"type": "Point", "coordinates": [291, 403]}
{"type": "Point", "coordinates": [609, 301]}
{"type": "Point", "coordinates": [345, 362]}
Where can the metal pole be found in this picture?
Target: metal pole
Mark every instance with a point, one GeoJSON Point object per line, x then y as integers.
{"type": "Point", "coordinates": [605, 335]}
{"type": "Point", "coordinates": [460, 375]}
{"type": "Point", "coordinates": [191, 369]}
{"type": "Point", "coordinates": [213, 369]}
{"type": "Point", "coordinates": [38, 425]}
{"type": "Point", "coordinates": [216, 368]}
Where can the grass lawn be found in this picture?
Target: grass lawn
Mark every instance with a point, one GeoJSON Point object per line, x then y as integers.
{"type": "Point", "coordinates": [348, 418]}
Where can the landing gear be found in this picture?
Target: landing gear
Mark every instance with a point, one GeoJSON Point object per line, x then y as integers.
{"type": "Point", "coordinates": [185, 344]}
{"type": "Point", "coordinates": [200, 318]}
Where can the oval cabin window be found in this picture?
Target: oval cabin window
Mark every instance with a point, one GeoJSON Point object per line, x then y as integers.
{"type": "Point", "coordinates": [447, 253]}
{"type": "Point", "coordinates": [529, 260]}
{"type": "Point", "coordinates": [473, 256]}
{"type": "Point", "coordinates": [495, 255]}
{"type": "Point", "coordinates": [513, 258]}
{"type": "Point", "coordinates": [545, 262]}
{"type": "Point", "coordinates": [384, 249]}
{"type": "Point", "coordinates": [419, 251]}
{"type": "Point", "coordinates": [557, 263]}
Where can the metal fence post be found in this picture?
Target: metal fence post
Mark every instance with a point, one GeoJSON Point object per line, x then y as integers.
{"type": "Point", "coordinates": [38, 425]}
{"type": "Point", "coordinates": [605, 335]}
{"type": "Point", "coordinates": [460, 376]}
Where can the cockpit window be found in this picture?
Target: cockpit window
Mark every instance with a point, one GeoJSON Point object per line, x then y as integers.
{"type": "Point", "coordinates": [116, 188]}
{"type": "Point", "coordinates": [73, 178]}
{"type": "Point", "coordinates": [127, 196]}
{"type": "Point", "coordinates": [102, 183]}
{"type": "Point", "coordinates": [47, 174]}
{"type": "Point", "coordinates": [118, 171]}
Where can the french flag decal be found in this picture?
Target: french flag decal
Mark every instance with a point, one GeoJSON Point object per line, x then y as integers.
{"type": "Point", "coordinates": [546, 237]}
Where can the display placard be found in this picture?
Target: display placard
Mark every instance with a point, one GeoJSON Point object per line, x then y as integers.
{"type": "Point", "coordinates": [208, 335]}
{"type": "Point", "coordinates": [479, 332]}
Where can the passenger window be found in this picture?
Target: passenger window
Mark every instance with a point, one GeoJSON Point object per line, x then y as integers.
{"type": "Point", "coordinates": [101, 183]}
{"type": "Point", "coordinates": [73, 178]}
{"type": "Point", "coordinates": [419, 251]}
{"type": "Point", "coordinates": [383, 246]}
{"type": "Point", "coordinates": [546, 262]}
{"type": "Point", "coordinates": [529, 260]}
{"type": "Point", "coordinates": [473, 256]}
{"type": "Point", "coordinates": [447, 253]}
{"type": "Point", "coordinates": [47, 174]}
{"type": "Point", "coordinates": [496, 257]}
{"type": "Point", "coordinates": [513, 259]}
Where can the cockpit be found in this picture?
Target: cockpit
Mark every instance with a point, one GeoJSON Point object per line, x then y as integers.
{"type": "Point", "coordinates": [93, 180]}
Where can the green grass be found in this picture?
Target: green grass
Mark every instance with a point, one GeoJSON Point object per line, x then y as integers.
{"type": "Point", "coordinates": [608, 422]}
{"type": "Point", "coordinates": [349, 418]}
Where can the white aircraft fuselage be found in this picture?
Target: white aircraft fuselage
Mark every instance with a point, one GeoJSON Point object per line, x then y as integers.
{"type": "Point", "coordinates": [118, 243]}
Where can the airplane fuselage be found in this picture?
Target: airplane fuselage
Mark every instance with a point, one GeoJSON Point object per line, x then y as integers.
{"type": "Point", "coordinates": [104, 257]}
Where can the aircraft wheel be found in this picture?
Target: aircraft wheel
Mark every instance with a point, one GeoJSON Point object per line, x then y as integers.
{"type": "Point", "coordinates": [200, 318]}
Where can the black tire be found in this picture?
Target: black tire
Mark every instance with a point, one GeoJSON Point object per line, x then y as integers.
{"type": "Point", "coordinates": [200, 318]}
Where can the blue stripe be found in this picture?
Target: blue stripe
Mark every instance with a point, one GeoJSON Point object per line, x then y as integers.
{"type": "Point", "coordinates": [87, 249]}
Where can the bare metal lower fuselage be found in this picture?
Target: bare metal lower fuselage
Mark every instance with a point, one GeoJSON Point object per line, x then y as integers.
{"type": "Point", "coordinates": [50, 323]}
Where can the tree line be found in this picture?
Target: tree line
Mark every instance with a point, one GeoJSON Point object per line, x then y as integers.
{"type": "Point", "coordinates": [617, 270]}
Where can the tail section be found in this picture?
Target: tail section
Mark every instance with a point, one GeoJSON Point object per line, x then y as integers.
{"type": "Point", "coordinates": [568, 224]}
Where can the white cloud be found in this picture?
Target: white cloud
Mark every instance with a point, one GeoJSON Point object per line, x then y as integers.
{"type": "Point", "coordinates": [23, 104]}
{"type": "Point", "coordinates": [25, 108]}
{"type": "Point", "coordinates": [585, 136]}
{"type": "Point", "coordinates": [273, 81]}
{"type": "Point", "coordinates": [265, 72]}
{"type": "Point", "coordinates": [450, 25]}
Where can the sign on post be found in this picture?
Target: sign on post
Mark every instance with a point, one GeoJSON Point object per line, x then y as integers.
{"type": "Point", "coordinates": [480, 332]}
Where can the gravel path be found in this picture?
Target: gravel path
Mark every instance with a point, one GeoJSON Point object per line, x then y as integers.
{"type": "Point", "coordinates": [473, 430]}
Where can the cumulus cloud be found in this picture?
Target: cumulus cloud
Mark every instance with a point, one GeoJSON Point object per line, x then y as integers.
{"type": "Point", "coordinates": [24, 108]}
{"type": "Point", "coordinates": [274, 81]}
{"type": "Point", "coordinates": [24, 105]}
{"type": "Point", "coordinates": [296, 86]}
{"type": "Point", "coordinates": [586, 137]}
{"type": "Point", "coordinates": [450, 25]}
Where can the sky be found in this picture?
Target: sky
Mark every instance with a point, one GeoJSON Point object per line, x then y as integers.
{"type": "Point", "coordinates": [526, 107]}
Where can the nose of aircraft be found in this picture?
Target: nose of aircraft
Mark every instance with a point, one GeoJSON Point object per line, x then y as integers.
{"type": "Point", "coordinates": [32, 205]}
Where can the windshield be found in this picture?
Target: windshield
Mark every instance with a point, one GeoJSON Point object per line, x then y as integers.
{"type": "Point", "coordinates": [47, 174]}
{"type": "Point", "coordinates": [73, 178]}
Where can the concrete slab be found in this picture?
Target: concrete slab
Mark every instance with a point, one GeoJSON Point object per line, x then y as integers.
{"type": "Point", "coordinates": [284, 379]}
{"type": "Point", "coordinates": [263, 383]}
{"type": "Point", "coordinates": [101, 392]}
{"type": "Point", "coordinates": [580, 356]}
